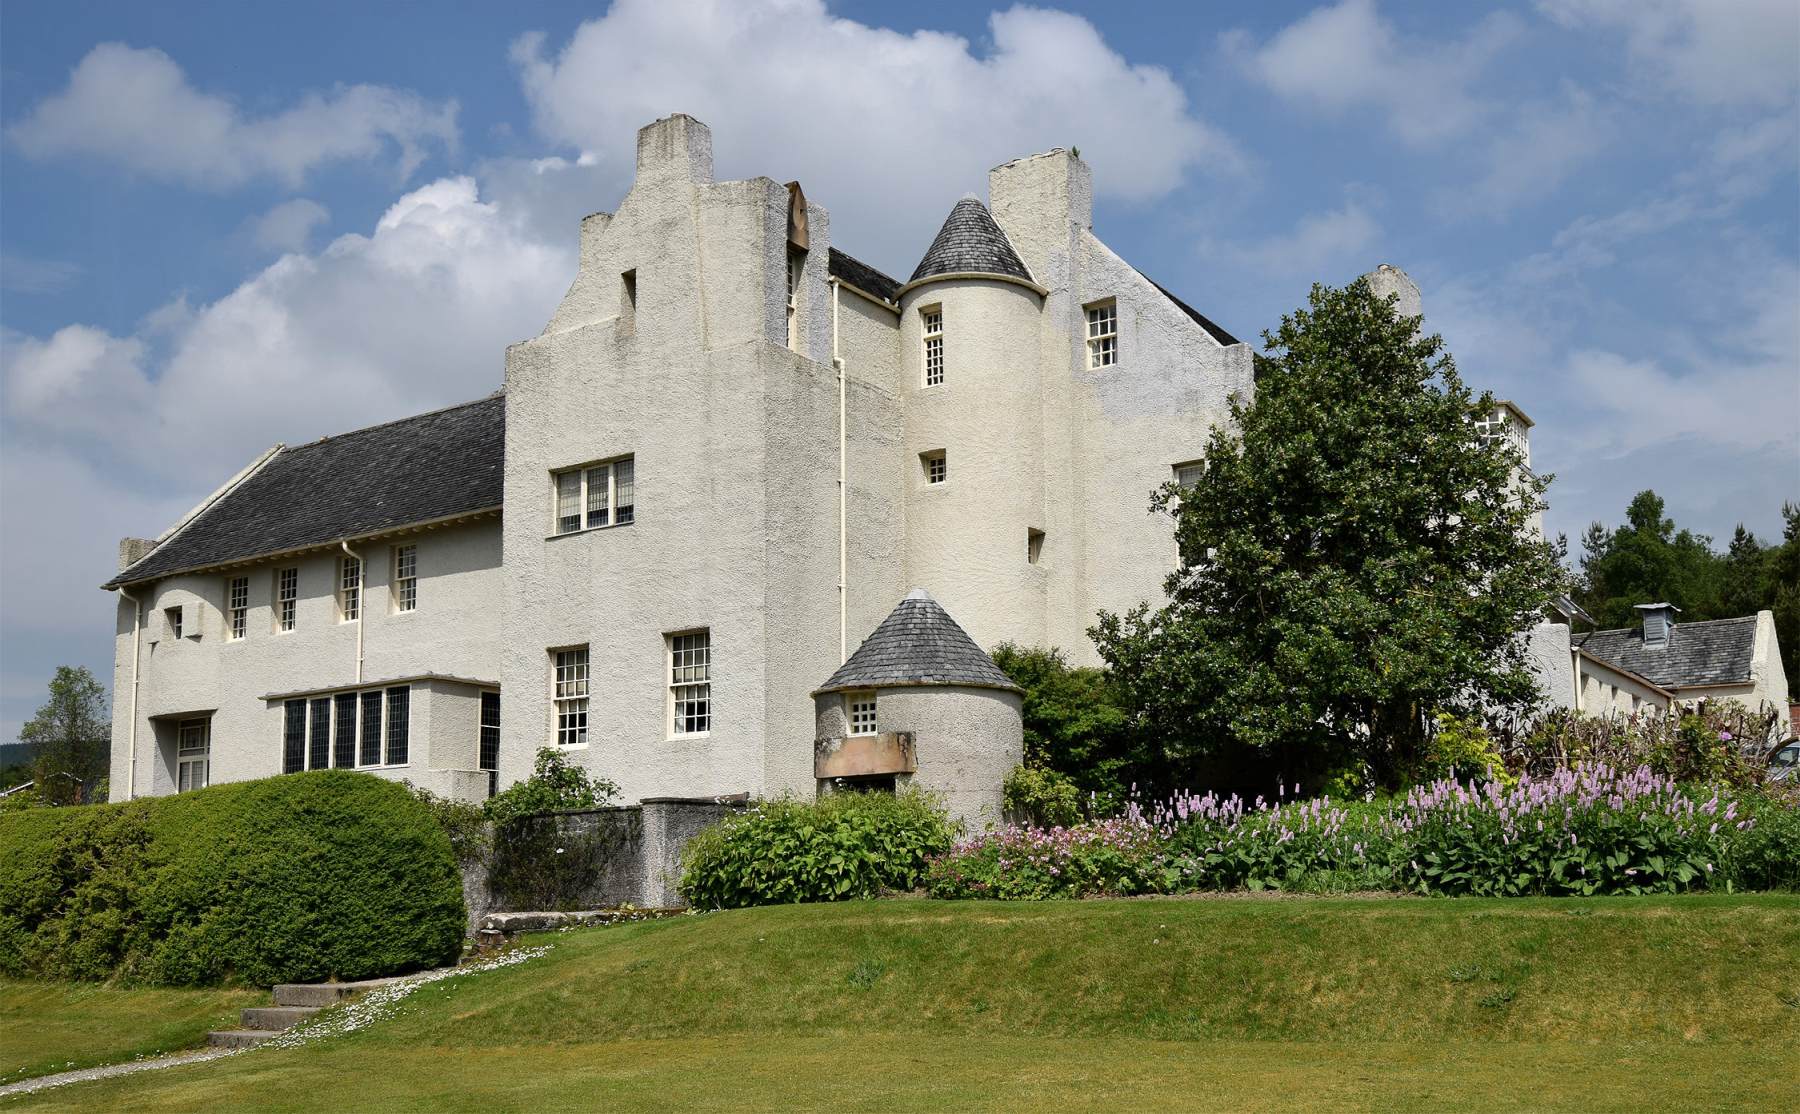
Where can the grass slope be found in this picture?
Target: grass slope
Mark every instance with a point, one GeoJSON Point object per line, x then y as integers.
{"type": "Point", "coordinates": [1291, 1005]}
{"type": "Point", "coordinates": [52, 1027]}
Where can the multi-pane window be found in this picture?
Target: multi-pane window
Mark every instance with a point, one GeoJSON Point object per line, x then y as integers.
{"type": "Point", "coordinates": [862, 713]}
{"type": "Point", "coordinates": [343, 750]}
{"type": "Point", "coordinates": [595, 496]}
{"type": "Point", "coordinates": [193, 754]}
{"type": "Point", "coordinates": [172, 621]}
{"type": "Point", "coordinates": [237, 607]}
{"type": "Point", "coordinates": [937, 468]}
{"type": "Point", "coordinates": [399, 715]}
{"type": "Point", "coordinates": [345, 729]}
{"type": "Point", "coordinates": [406, 578]}
{"type": "Point", "coordinates": [350, 589]}
{"type": "Point", "coordinates": [1103, 334]}
{"type": "Point", "coordinates": [489, 754]}
{"type": "Point", "coordinates": [1187, 476]}
{"type": "Point", "coordinates": [293, 737]}
{"type": "Point", "coordinates": [690, 682]}
{"type": "Point", "coordinates": [287, 597]}
{"type": "Point", "coordinates": [796, 260]}
{"type": "Point", "coordinates": [934, 347]}
{"type": "Point", "coordinates": [318, 748]}
{"type": "Point", "coordinates": [369, 742]}
{"type": "Point", "coordinates": [569, 696]}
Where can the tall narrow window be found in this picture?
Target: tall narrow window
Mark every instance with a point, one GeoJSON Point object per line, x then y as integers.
{"type": "Point", "coordinates": [862, 713]}
{"type": "Point", "coordinates": [569, 696]}
{"type": "Point", "coordinates": [287, 597]}
{"type": "Point", "coordinates": [595, 496]}
{"type": "Point", "coordinates": [1103, 334]}
{"type": "Point", "coordinates": [934, 346]}
{"type": "Point", "coordinates": [193, 754]}
{"type": "Point", "coordinates": [489, 756]}
{"type": "Point", "coordinates": [369, 745]}
{"type": "Point", "coordinates": [1034, 545]}
{"type": "Point", "coordinates": [399, 713]}
{"type": "Point", "coordinates": [172, 622]}
{"type": "Point", "coordinates": [628, 300]}
{"type": "Point", "coordinates": [796, 262]}
{"type": "Point", "coordinates": [937, 467]}
{"type": "Point", "coordinates": [690, 682]}
{"type": "Point", "coordinates": [343, 748]}
{"type": "Point", "coordinates": [350, 590]}
{"type": "Point", "coordinates": [237, 607]}
{"type": "Point", "coordinates": [293, 737]}
{"type": "Point", "coordinates": [406, 578]}
{"type": "Point", "coordinates": [318, 743]}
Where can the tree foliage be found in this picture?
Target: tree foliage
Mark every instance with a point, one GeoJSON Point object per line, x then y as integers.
{"type": "Point", "coordinates": [1075, 722]}
{"type": "Point", "coordinates": [71, 735]}
{"type": "Point", "coordinates": [555, 785]}
{"type": "Point", "coordinates": [1354, 559]}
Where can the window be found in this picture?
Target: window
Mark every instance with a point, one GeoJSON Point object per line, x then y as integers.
{"type": "Point", "coordinates": [862, 713]}
{"type": "Point", "coordinates": [369, 745]}
{"type": "Point", "coordinates": [287, 596]}
{"type": "Point", "coordinates": [318, 754]}
{"type": "Point", "coordinates": [1103, 334]}
{"type": "Point", "coordinates": [293, 737]}
{"type": "Point", "coordinates": [934, 346]}
{"type": "Point", "coordinates": [490, 739]}
{"type": "Point", "coordinates": [937, 469]}
{"type": "Point", "coordinates": [1034, 545]}
{"type": "Point", "coordinates": [1187, 476]}
{"type": "Point", "coordinates": [595, 496]}
{"type": "Point", "coordinates": [628, 300]}
{"type": "Point", "coordinates": [193, 754]}
{"type": "Point", "coordinates": [796, 261]}
{"type": "Point", "coordinates": [569, 696]}
{"type": "Point", "coordinates": [237, 607]}
{"type": "Point", "coordinates": [172, 621]}
{"type": "Point", "coordinates": [399, 701]}
{"type": "Point", "coordinates": [406, 578]}
{"type": "Point", "coordinates": [350, 590]}
{"type": "Point", "coordinates": [690, 682]}
{"type": "Point", "coordinates": [343, 751]}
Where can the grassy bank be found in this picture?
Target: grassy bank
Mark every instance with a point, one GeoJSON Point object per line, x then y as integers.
{"type": "Point", "coordinates": [1243, 1004]}
{"type": "Point", "coordinates": [52, 1027]}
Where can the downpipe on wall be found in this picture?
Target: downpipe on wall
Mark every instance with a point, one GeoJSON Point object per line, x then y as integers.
{"type": "Point", "coordinates": [362, 601]}
{"type": "Point", "coordinates": [837, 361]}
{"type": "Point", "coordinates": [137, 642]}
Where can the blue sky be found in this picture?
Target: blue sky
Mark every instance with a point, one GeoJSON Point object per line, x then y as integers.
{"type": "Point", "coordinates": [230, 225]}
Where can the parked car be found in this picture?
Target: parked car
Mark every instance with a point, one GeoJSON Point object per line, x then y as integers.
{"type": "Point", "coordinates": [1784, 764]}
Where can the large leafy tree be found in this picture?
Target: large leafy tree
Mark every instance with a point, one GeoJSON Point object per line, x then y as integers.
{"type": "Point", "coordinates": [1354, 558]}
{"type": "Point", "coordinates": [70, 735]}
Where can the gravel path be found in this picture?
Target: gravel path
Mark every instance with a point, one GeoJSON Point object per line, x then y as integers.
{"type": "Point", "coordinates": [45, 1082]}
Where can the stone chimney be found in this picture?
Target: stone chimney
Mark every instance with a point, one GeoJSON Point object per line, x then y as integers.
{"type": "Point", "coordinates": [1042, 202]}
{"type": "Point", "coordinates": [1388, 279]}
{"type": "Point", "coordinates": [133, 550]}
{"type": "Point", "coordinates": [1659, 620]}
{"type": "Point", "coordinates": [675, 148]}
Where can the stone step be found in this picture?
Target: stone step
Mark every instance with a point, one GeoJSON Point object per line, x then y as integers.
{"type": "Point", "coordinates": [276, 1017]}
{"type": "Point", "coordinates": [323, 993]}
{"type": "Point", "coordinates": [239, 1038]}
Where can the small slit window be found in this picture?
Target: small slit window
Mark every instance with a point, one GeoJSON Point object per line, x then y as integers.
{"type": "Point", "coordinates": [172, 622]}
{"type": "Point", "coordinates": [1034, 546]}
{"type": "Point", "coordinates": [933, 319]}
{"type": "Point", "coordinates": [796, 263]}
{"type": "Point", "coordinates": [1103, 334]}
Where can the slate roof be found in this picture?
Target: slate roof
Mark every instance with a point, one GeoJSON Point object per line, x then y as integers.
{"type": "Point", "coordinates": [1716, 652]}
{"type": "Point", "coordinates": [918, 644]}
{"type": "Point", "coordinates": [970, 243]}
{"type": "Point", "coordinates": [418, 469]}
{"type": "Point", "coordinates": [862, 276]}
{"type": "Point", "coordinates": [1198, 318]}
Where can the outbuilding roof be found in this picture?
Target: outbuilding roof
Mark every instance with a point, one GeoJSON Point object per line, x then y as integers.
{"type": "Point", "coordinates": [918, 644]}
{"type": "Point", "coordinates": [426, 468]}
{"type": "Point", "coordinates": [970, 243]}
{"type": "Point", "coordinates": [1715, 652]}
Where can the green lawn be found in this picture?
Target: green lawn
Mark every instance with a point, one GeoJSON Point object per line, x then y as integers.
{"type": "Point", "coordinates": [1238, 1004]}
{"type": "Point", "coordinates": [51, 1027]}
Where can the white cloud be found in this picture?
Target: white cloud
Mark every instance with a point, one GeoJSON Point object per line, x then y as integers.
{"type": "Point", "coordinates": [1711, 51]}
{"type": "Point", "coordinates": [1318, 243]}
{"type": "Point", "coordinates": [135, 108]}
{"type": "Point", "coordinates": [1347, 57]}
{"type": "Point", "coordinates": [289, 225]}
{"type": "Point", "coordinates": [1542, 144]}
{"type": "Point", "coordinates": [21, 274]}
{"type": "Point", "coordinates": [885, 129]}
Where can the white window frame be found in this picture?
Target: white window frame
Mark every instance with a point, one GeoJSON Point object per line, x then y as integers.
{"type": "Point", "coordinates": [349, 593]}
{"type": "Point", "coordinates": [237, 608]}
{"type": "Point", "coordinates": [406, 577]}
{"type": "Point", "coordinates": [172, 622]}
{"type": "Point", "coordinates": [1103, 335]}
{"type": "Point", "coordinates": [689, 670]}
{"type": "Point", "coordinates": [287, 598]}
{"type": "Point", "coordinates": [1196, 467]}
{"type": "Point", "coordinates": [859, 712]}
{"type": "Point", "coordinates": [931, 319]}
{"type": "Point", "coordinates": [937, 467]}
{"type": "Point", "coordinates": [193, 754]}
{"type": "Point", "coordinates": [569, 697]}
{"type": "Point", "coordinates": [592, 492]}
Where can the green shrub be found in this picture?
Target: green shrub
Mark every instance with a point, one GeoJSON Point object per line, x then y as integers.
{"type": "Point", "coordinates": [330, 874]}
{"type": "Point", "coordinates": [840, 847]}
{"type": "Point", "coordinates": [555, 785]}
{"type": "Point", "coordinates": [1116, 857]}
{"type": "Point", "coordinates": [465, 824]}
{"type": "Point", "coordinates": [1042, 797]}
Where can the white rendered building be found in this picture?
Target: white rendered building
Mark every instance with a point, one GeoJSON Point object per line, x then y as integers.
{"type": "Point", "coordinates": [729, 455]}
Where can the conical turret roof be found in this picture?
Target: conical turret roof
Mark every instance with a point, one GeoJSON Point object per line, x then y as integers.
{"type": "Point", "coordinates": [970, 243]}
{"type": "Point", "coordinates": [918, 644]}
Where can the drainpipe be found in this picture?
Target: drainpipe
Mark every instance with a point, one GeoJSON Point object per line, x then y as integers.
{"type": "Point", "coordinates": [137, 643]}
{"type": "Point", "coordinates": [362, 603]}
{"type": "Point", "coordinates": [1577, 652]}
{"type": "Point", "coordinates": [837, 362]}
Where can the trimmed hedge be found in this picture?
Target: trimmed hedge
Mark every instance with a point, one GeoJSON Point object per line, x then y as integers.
{"type": "Point", "coordinates": [299, 878]}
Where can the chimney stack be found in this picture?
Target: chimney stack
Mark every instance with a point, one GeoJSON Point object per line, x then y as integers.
{"type": "Point", "coordinates": [675, 148]}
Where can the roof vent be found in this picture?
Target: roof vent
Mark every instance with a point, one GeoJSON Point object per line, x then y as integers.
{"type": "Point", "coordinates": [1659, 619]}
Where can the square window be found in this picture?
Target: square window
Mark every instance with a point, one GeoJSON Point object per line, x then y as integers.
{"type": "Point", "coordinates": [690, 682]}
{"type": "Point", "coordinates": [937, 468]}
{"type": "Point", "coordinates": [569, 695]}
{"type": "Point", "coordinates": [1103, 334]}
{"type": "Point", "coordinates": [1187, 476]}
{"type": "Point", "coordinates": [862, 713]}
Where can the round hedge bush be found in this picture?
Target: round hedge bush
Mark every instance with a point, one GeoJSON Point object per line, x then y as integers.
{"type": "Point", "coordinates": [324, 875]}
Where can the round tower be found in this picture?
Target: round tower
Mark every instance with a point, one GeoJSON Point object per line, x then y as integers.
{"type": "Point", "coordinates": [970, 329]}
